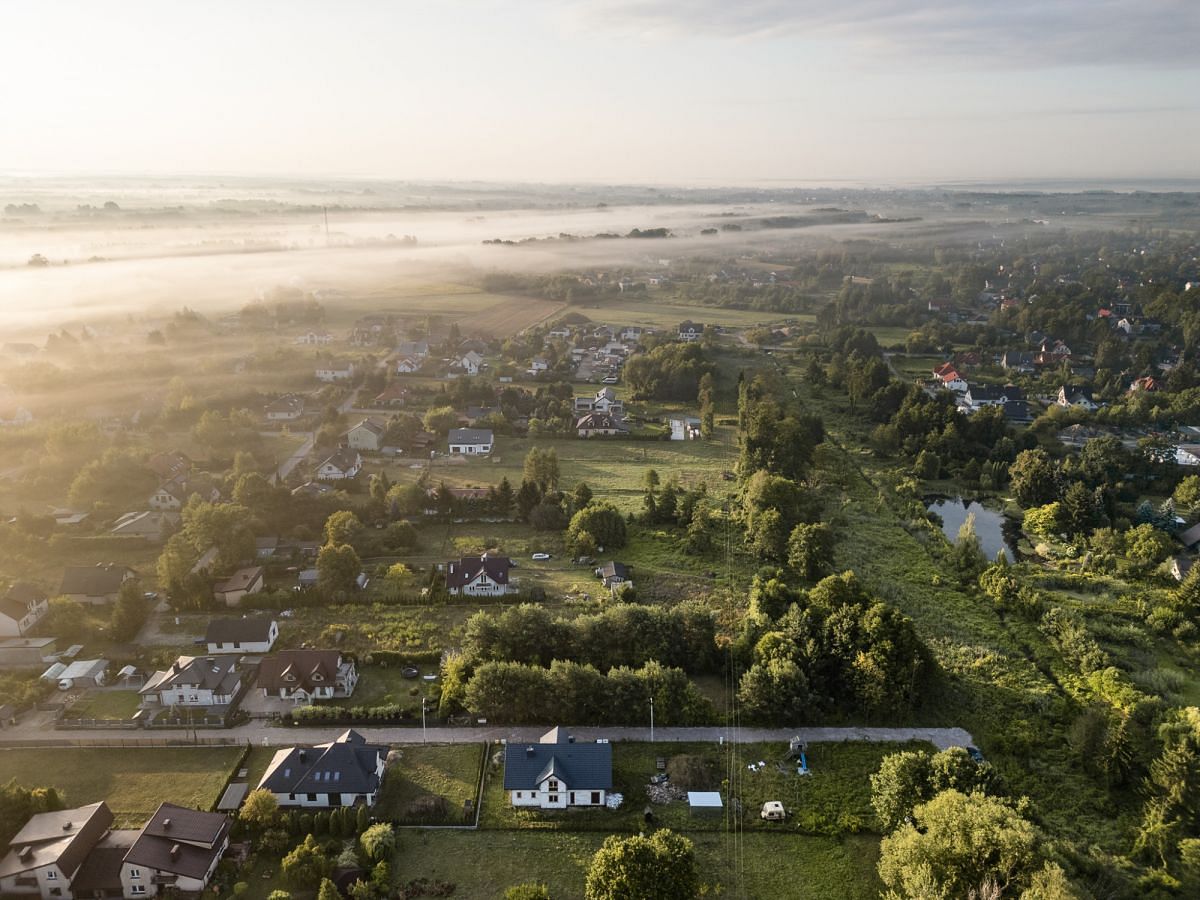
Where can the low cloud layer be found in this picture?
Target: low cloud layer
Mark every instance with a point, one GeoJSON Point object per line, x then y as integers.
{"type": "Point", "coordinates": [1024, 33]}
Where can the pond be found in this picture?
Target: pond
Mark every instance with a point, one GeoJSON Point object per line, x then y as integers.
{"type": "Point", "coordinates": [995, 532]}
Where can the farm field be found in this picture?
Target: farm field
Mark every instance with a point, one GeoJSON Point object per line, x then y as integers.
{"type": "Point", "coordinates": [661, 313]}
{"type": "Point", "coordinates": [132, 781]}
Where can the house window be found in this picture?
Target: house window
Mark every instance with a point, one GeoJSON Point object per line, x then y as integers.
{"type": "Point", "coordinates": [553, 798]}
{"type": "Point", "coordinates": [572, 798]}
{"type": "Point", "coordinates": [137, 889]}
{"type": "Point", "coordinates": [596, 797]}
{"type": "Point", "coordinates": [518, 795]}
{"type": "Point", "coordinates": [135, 873]}
{"type": "Point", "coordinates": [312, 798]}
{"type": "Point", "coordinates": [51, 875]}
{"type": "Point", "coordinates": [553, 785]}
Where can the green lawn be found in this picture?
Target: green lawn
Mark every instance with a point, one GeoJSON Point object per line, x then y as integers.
{"type": "Point", "coordinates": [380, 686]}
{"type": "Point", "coordinates": [132, 781]}
{"type": "Point", "coordinates": [106, 705]}
{"type": "Point", "coordinates": [834, 798]}
{"type": "Point", "coordinates": [482, 865]}
{"type": "Point", "coordinates": [431, 784]}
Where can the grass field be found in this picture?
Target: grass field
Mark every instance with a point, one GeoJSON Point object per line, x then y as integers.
{"type": "Point", "coordinates": [106, 705]}
{"type": "Point", "coordinates": [483, 864]}
{"type": "Point", "coordinates": [379, 686]}
{"type": "Point", "coordinates": [431, 784]}
{"type": "Point", "coordinates": [834, 798]}
{"type": "Point", "coordinates": [132, 781]}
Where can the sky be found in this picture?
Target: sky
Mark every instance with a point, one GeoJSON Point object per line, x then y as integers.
{"type": "Point", "coordinates": [605, 91]}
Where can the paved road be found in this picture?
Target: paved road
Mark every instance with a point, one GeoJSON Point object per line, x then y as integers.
{"type": "Point", "coordinates": [260, 733]}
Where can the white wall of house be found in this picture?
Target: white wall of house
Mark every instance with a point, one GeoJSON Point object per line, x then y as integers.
{"type": "Point", "coordinates": [197, 696]}
{"type": "Point", "coordinates": [556, 799]}
{"type": "Point", "coordinates": [471, 449]}
{"type": "Point", "coordinates": [18, 627]}
{"type": "Point", "coordinates": [323, 801]}
{"type": "Point", "coordinates": [42, 880]}
{"type": "Point", "coordinates": [482, 586]}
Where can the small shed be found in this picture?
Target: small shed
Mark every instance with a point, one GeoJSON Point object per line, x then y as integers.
{"type": "Point", "coordinates": [232, 799]}
{"type": "Point", "coordinates": [705, 803]}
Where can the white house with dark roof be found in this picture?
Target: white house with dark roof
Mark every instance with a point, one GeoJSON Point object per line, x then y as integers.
{"type": "Point", "coordinates": [470, 441]}
{"type": "Point", "coordinates": [249, 580]}
{"type": "Point", "coordinates": [331, 372]}
{"type": "Point", "coordinates": [22, 607]}
{"type": "Point", "coordinates": [176, 851]}
{"type": "Point", "coordinates": [346, 771]}
{"type": "Point", "coordinates": [195, 681]}
{"type": "Point", "coordinates": [47, 854]}
{"type": "Point", "coordinates": [345, 463]}
{"type": "Point", "coordinates": [287, 408]}
{"type": "Point", "coordinates": [480, 576]}
{"type": "Point", "coordinates": [557, 772]}
{"type": "Point", "coordinates": [251, 634]}
{"type": "Point", "coordinates": [170, 495]}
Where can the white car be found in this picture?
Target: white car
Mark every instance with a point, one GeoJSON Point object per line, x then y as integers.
{"type": "Point", "coordinates": [540, 556]}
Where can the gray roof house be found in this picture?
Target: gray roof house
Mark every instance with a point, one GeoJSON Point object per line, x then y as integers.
{"type": "Point", "coordinates": [470, 441]}
{"type": "Point", "coordinates": [178, 848]}
{"type": "Point", "coordinates": [95, 584]}
{"type": "Point", "coordinates": [251, 634]}
{"type": "Point", "coordinates": [48, 852]}
{"type": "Point", "coordinates": [195, 681]}
{"type": "Point", "coordinates": [557, 772]}
{"type": "Point", "coordinates": [344, 772]}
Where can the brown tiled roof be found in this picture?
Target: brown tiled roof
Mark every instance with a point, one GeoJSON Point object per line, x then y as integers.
{"type": "Point", "coordinates": [295, 669]}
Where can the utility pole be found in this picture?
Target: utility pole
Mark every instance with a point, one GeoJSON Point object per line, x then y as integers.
{"type": "Point", "coordinates": [423, 720]}
{"type": "Point", "coordinates": [652, 720]}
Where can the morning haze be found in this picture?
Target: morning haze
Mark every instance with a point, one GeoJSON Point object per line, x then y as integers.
{"type": "Point", "coordinates": [605, 449]}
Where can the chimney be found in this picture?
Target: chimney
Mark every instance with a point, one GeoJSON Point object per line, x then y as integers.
{"type": "Point", "coordinates": [174, 851]}
{"type": "Point", "coordinates": [26, 853]}
{"type": "Point", "coordinates": [303, 754]}
{"type": "Point", "coordinates": [529, 750]}
{"type": "Point", "coordinates": [167, 824]}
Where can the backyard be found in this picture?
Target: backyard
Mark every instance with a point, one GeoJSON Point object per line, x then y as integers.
{"type": "Point", "coordinates": [431, 785]}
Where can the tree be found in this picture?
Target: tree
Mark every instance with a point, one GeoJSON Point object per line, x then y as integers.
{"type": "Point", "coordinates": [337, 568]}
{"type": "Point", "coordinates": [910, 778]}
{"type": "Point", "coordinates": [529, 495]}
{"type": "Point", "coordinates": [440, 419]}
{"type": "Point", "coordinates": [1146, 546]}
{"type": "Point", "coordinates": [581, 496]}
{"type": "Point", "coordinates": [328, 891]}
{"type": "Point", "coordinates": [306, 865]}
{"type": "Point", "coordinates": [767, 536]}
{"type": "Point", "coordinates": [1034, 478]}
{"type": "Point", "coordinates": [260, 810]}
{"type": "Point", "coordinates": [603, 522]}
{"type": "Point", "coordinates": [541, 467]}
{"type": "Point", "coordinates": [707, 401]}
{"type": "Point", "coordinates": [659, 867]}
{"type": "Point", "coordinates": [810, 550]}
{"type": "Point", "coordinates": [129, 612]}
{"type": "Point", "coordinates": [379, 841]}
{"type": "Point", "coordinates": [342, 527]}
{"type": "Point", "coordinates": [956, 843]}
{"type": "Point", "coordinates": [966, 556]}
{"type": "Point", "coordinates": [1046, 521]}
{"type": "Point", "coordinates": [1187, 494]}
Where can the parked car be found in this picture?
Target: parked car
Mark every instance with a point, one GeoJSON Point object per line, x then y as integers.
{"type": "Point", "coordinates": [541, 556]}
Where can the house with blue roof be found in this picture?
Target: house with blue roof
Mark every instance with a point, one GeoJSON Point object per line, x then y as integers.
{"type": "Point", "coordinates": [558, 772]}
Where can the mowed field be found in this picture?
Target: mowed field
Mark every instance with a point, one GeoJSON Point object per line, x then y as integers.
{"type": "Point", "coordinates": [476, 311]}
{"type": "Point", "coordinates": [133, 782]}
{"type": "Point", "coordinates": [483, 864]}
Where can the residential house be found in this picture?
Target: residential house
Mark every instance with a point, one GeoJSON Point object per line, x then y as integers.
{"type": "Point", "coordinates": [690, 332]}
{"type": "Point", "coordinates": [480, 576]}
{"type": "Point", "coordinates": [303, 676]}
{"type": "Point", "coordinates": [470, 441]}
{"type": "Point", "coordinates": [559, 331]}
{"type": "Point", "coordinates": [22, 607]}
{"type": "Point", "coordinates": [475, 414]}
{"type": "Point", "coordinates": [1017, 361]}
{"type": "Point", "coordinates": [346, 462]}
{"type": "Point", "coordinates": [287, 408]}
{"type": "Point", "coordinates": [171, 495]}
{"type": "Point", "coordinates": [606, 401]}
{"type": "Point", "coordinates": [977, 396]}
{"type": "Point", "coordinates": [1079, 397]}
{"type": "Point", "coordinates": [249, 580]}
{"type": "Point", "coordinates": [684, 428]}
{"type": "Point", "coordinates": [346, 771]}
{"type": "Point", "coordinates": [46, 855]}
{"type": "Point", "coordinates": [557, 772]}
{"type": "Point", "coordinates": [599, 424]}
{"type": "Point", "coordinates": [614, 573]}
{"type": "Point", "coordinates": [584, 404]}
{"type": "Point", "coordinates": [149, 526]}
{"type": "Point", "coordinates": [1180, 566]}
{"type": "Point", "coordinates": [470, 362]}
{"type": "Point", "coordinates": [169, 465]}
{"type": "Point", "coordinates": [95, 584]}
{"type": "Point", "coordinates": [366, 435]}
{"type": "Point", "coordinates": [417, 350]}
{"type": "Point", "coordinates": [949, 377]}
{"type": "Point", "coordinates": [1187, 454]}
{"type": "Point", "coordinates": [250, 634]}
{"type": "Point", "coordinates": [195, 681]}
{"type": "Point", "coordinates": [1018, 412]}
{"type": "Point", "coordinates": [177, 851]}
{"type": "Point", "coordinates": [330, 372]}
{"type": "Point", "coordinates": [406, 365]}
{"type": "Point", "coordinates": [1190, 537]}
{"type": "Point", "coordinates": [1148, 383]}
{"type": "Point", "coordinates": [632, 333]}
{"type": "Point", "coordinates": [540, 364]}
{"type": "Point", "coordinates": [395, 394]}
